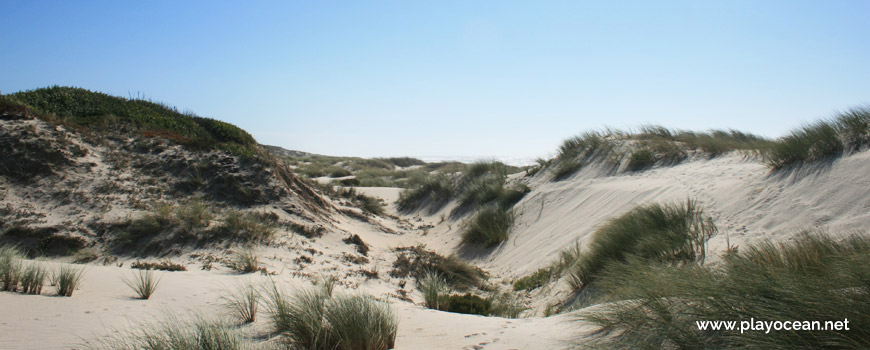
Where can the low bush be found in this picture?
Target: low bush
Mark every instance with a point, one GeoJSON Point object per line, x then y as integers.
{"type": "Point", "coordinates": [314, 319]}
{"type": "Point", "coordinates": [467, 304]}
{"type": "Point", "coordinates": [669, 233]}
{"type": "Point", "coordinates": [434, 192]}
{"type": "Point", "coordinates": [489, 227]}
{"type": "Point", "coordinates": [143, 283]}
{"type": "Point", "coordinates": [416, 262]}
{"type": "Point", "coordinates": [812, 278]}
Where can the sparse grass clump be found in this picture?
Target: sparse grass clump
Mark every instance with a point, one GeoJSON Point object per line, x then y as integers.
{"type": "Point", "coordinates": [10, 268]}
{"type": "Point", "coordinates": [175, 334]}
{"type": "Point", "coordinates": [669, 233]}
{"type": "Point", "coordinates": [489, 227]}
{"type": "Point", "coordinates": [33, 278]}
{"type": "Point", "coordinates": [361, 246]}
{"type": "Point", "coordinates": [812, 278]}
{"type": "Point", "coordinates": [165, 265]}
{"type": "Point", "coordinates": [67, 279]}
{"type": "Point", "coordinates": [143, 283]}
{"type": "Point", "coordinates": [246, 261]}
{"type": "Point", "coordinates": [243, 302]}
{"type": "Point", "coordinates": [314, 319]}
{"type": "Point", "coordinates": [433, 287]}
{"type": "Point", "coordinates": [247, 227]}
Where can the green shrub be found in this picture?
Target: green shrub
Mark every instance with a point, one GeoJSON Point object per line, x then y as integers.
{"type": "Point", "coordinates": [416, 262]}
{"type": "Point", "coordinates": [812, 278]}
{"type": "Point", "coordinates": [670, 233]}
{"type": "Point", "coordinates": [489, 227]}
{"type": "Point", "coordinates": [99, 111]}
{"type": "Point", "coordinates": [434, 191]}
{"type": "Point", "coordinates": [313, 319]}
{"type": "Point", "coordinates": [66, 279]}
{"type": "Point", "coordinates": [513, 194]}
{"type": "Point", "coordinates": [640, 160]}
{"type": "Point", "coordinates": [535, 280]}
{"type": "Point", "coordinates": [143, 283]}
{"type": "Point", "coordinates": [246, 227]}
{"type": "Point", "coordinates": [467, 304]}
{"type": "Point", "coordinates": [566, 167]}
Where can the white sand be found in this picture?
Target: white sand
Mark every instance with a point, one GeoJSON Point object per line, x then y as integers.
{"type": "Point", "coordinates": [741, 195]}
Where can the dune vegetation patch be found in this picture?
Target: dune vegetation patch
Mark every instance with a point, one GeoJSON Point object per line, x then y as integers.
{"type": "Point", "coordinates": [417, 262]}
{"type": "Point", "coordinates": [812, 278]}
{"type": "Point", "coordinates": [314, 318]}
{"type": "Point", "coordinates": [488, 227]}
{"type": "Point", "coordinates": [674, 233]}
{"type": "Point", "coordinates": [824, 139]}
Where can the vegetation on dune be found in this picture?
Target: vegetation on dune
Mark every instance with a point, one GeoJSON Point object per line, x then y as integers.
{"type": "Point", "coordinates": [568, 257]}
{"type": "Point", "coordinates": [66, 280]}
{"type": "Point", "coordinates": [242, 302]}
{"type": "Point", "coordinates": [418, 262]}
{"type": "Point", "coordinates": [173, 333]}
{"type": "Point", "coordinates": [315, 319]}
{"type": "Point", "coordinates": [489, 227]}
{"type": "Point", "coordinates": [812, 278]}
{"type": "Point", "coordinates": [825, 139]}
{"type": "Point", "coordinates": [98, 111]}
{"type": "Point", "coordinates": [663, 233]}
{"type": "Point", "coordinates": [435, 191]}
{"type": "Point", "coordinates": [143, 283]}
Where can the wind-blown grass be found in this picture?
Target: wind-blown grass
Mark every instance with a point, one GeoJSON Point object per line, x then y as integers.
{"type": "Point", "coordinates": [669, 233]}
{"type": "Point", "coordinates": [66, 279]}
{"type": "Point", "coordinates": [246, 261]}
{"type": "Point", "coordinates": [433, 191]}
{"type": "Point", "coordinates": [813, 278]}
{"type": "Point", "coordinates": [243, 301]}
{"type": "Point", "coordinates": [312, 319]}
{"type": "Point", "coordinates": [489, 227]}
{"type": "Point", "coordinates": [175, 334]}
{"type": "Point", "coordinates": [10, 268]}
{"type": "Point", "coordinates": [433, 287]}
{"type": "Point", "coordinates": [33, 278]}
{"type": "Point", "coordinates": [143, 283]}
{"type": "Point", "coordinates": [825, 139]}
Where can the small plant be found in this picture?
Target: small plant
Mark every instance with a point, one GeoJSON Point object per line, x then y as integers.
{"type": "Point", "coordinates": [640, 160]}
{"type": "Point", "coordinates": [361, 246]}
{"type": "Point", "coordinates": [246, 261]}
{"type": "Point", "coordinates": [33, 278]}
{"type": "Point", "coordinates": [172, 333]}
{"type": "Point", "coordinates": [433, 287]}
{"type": "Point", "coordinates": [67, 279]}
{"type": "Point", "coordinates": [489, 227]}
{"type": "Point", "coordinates": [242, 301]}
{"type": "Point", "coordinates": [10, 268]}
{"type": "Point", "coordinates": [143, 283]}
{"type": "Point", "coordinates": [165, 265]}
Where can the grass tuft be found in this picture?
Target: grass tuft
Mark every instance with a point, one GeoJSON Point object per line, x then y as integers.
{"type": "Point", "coordinates": [312, 319]}
{"type": "Point", "coordinates": [246, 261]}
{"type": "Point", "coordinates": [143, 283]}
{"type": "Point", "coordinates": [33, 278]}
{"type": "Point", "coordinates": [172, 333]}
{"type": "Point", "coordinates": [489, 227]}
{"type": "Point", "coordinates": [66, 280]}
{"type": "Point", "coordinates": [242, 302]}
{"type": "Point", "coordinates": [825, 139]}
{"type": "Point", "coordinates": [433, 287]}
{"type": "Point", "coordinates": [10, 268]}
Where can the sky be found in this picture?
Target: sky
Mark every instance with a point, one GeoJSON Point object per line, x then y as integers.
{"type": "Point", "coordinates": [452, 79]}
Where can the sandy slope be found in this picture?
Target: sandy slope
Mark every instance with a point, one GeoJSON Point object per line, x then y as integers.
{"type": "Point", "coordinates": [745, 199]}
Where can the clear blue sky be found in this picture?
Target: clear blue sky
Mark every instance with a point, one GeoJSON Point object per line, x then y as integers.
{"type": "Point", "coordinates": [444, 78]}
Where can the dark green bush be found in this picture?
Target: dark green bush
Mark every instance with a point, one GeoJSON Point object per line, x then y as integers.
{"type": "Point", "coordinates": [467, 304]}
{"type": "Point", "coordinates": [489, 227]}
